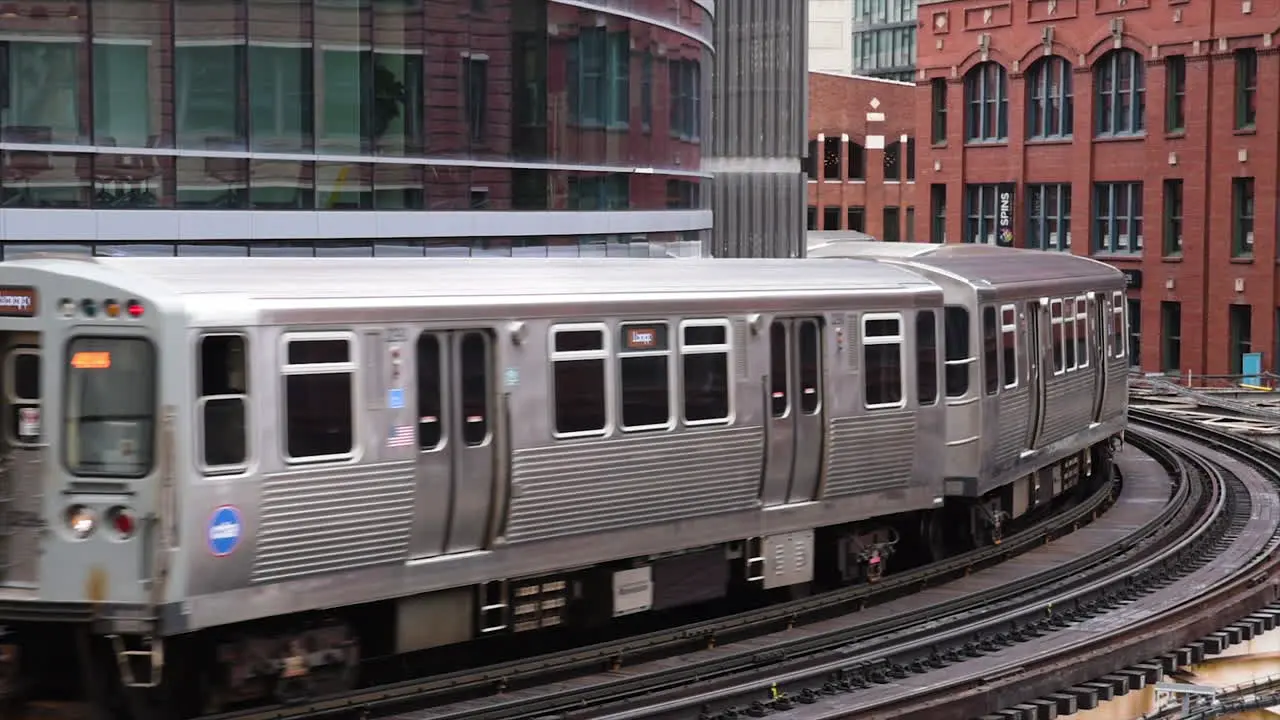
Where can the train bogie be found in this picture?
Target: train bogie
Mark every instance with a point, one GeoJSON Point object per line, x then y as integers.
{"type": "Point", "coordinates": [267, 469]}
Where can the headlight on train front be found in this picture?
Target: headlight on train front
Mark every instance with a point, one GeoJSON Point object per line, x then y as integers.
{"type": "Point", "coordinates": [80, 521]}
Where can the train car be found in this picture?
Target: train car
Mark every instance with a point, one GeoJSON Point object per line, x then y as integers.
{"type": "Point", "coordinates": [257, 469]}
{"type": "Point", "coordinates": [1036, 368]}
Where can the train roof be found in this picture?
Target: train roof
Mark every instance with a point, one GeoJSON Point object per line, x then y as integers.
{"type": "Point", "coordinates": [312, 278]}
{"type": "Point", "coordinates": [978, 265]}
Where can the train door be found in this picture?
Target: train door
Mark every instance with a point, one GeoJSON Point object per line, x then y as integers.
{"type": "Point", "coordinates": [21, 493]}
{"type": "Point", "coordinates": [795, 407]}
{"type": "Point", "coordinates": [1098, 322]}
{"type": "Point", "coordinates": [1035, 365]}
{"type": "Point", "coordinates": [455, 434]}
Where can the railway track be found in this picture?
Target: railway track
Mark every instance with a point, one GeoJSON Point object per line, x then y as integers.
{"type": "Point", "coordinates": [1195, 577]}
{"type": "Point", "coordinates": [455, 694]}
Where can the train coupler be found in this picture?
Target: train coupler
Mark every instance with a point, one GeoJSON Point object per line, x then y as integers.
{"type": "Point", "coordinates": [142, 667]}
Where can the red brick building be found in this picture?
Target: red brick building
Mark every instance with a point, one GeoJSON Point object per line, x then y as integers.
{"type": "Point", "coordinates": [862, 156]}
{"type": "Point", "coordinates": [1097, 117]}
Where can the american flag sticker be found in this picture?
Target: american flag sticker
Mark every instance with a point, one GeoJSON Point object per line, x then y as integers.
{"type": "Point", "coordinates": [401, 436]}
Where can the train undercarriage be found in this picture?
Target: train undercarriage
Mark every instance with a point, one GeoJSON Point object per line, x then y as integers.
{"type": "Point", "coordinates": [292, 659]}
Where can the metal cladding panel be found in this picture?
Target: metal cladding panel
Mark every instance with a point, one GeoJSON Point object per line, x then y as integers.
{"type": "Point", "coordinates": [758, 215]}
{"type": "Point", "coordinates": [571, 489]}
{"type": "Point", "coordinates": [760, 87]}
{"type": "Point", "coordinates": [871, 453]}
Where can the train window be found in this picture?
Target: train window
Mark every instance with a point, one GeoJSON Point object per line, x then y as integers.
{"type": "Point", "coordinates": [474, 380]}
{"type": "Point", "coordinates": [882, 360]}
{"type": "Point", "coordinates": [810, 366]}
{"type": "Point", "coordinates": [578, 363]}
{"type": "Point", "coordinates": [22, 388]}
{"type": "Point", "coordinates": [704, 359]}
{"type": "Point", "coordinates": [1117, 325]}
{"type": "Point", "coordinates": [319, 382]}
{"type": "Point", "coordinates": [779, 400]}
{"type": "Point", "coordinates": [926, 357]}
{"type": "Point", "coordinates": [1082, 331]}
{"type": "Point", "coordinates": [222, 402]}
{"type": "Point", "coordinates": [644, 372]}
{"type": "Point", "coordinates": [110, 408]}
{"type": "Point", "coordinates": [1069, 333]}
{"type": "Point", "coordinates": [430, 382]}
{"type": "Point", "coordinates": [956, 326]}
{"type": "Point", "coordinates": [1055, 314]}
{"type": "Point", "coordinates": [990, 350]}
{"type": "Point", "coordinates": [1009, 343]}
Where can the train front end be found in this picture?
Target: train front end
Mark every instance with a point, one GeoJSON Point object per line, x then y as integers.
{"type": "Point", "coordinates": [83, 478]}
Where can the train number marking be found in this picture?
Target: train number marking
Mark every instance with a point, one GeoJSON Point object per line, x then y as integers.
{"type": "Point", "coordinates": [225, 530]}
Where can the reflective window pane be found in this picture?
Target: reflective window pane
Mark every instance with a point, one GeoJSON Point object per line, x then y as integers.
{"type": "Point", "coordinates": [281, 185]}
{"type": "Point", "coordinates": [280, 76]}
{"type": "Point", "coordinates": [128, 181]}
{"type": "Point", "coordinates": [130, 70]}
{"type": "Point", "coordinates": [398, 78]}
{"type": "Point", "coordinates": [343, 186]}
{"type": "Point", "coordinates": [47, 55]}
{"type": "Point", "coordinates": [209, 73]}
{"type": "Point", "coordinates": [45, 180]}
{"type": "Point", "coordinates": [213, 183]}
{"type": "Point", "coordinates": [343, 77]}
{"type": "Point", "coordinates": [398, 187]}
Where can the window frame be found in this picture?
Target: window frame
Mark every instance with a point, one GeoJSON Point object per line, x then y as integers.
{"type": "Point", "coordinates": [1040, 101]}
{"type": "Point", "coordinates": [1134, 194]}
{"type": "Point", "coordinates": [974, 219]}
{"type": "Point", "coordinates": [203, 400]}
{"type": "Point", "coordinates": [65, 420]}
{"type": "Point", "coordinates": [1171, 243]}
{"type": "Point", "coordinates": [727, 349]}
{"type": "Point", "coordinates": [938, 92]}
{"type": "Point", "coordinates": [1119, 308]}
{"type": "Point", "coordinates": [1082, 331]}
{"type": "Point", "coordinates": [284, 370]}
{"type": "Point", "coordinates": [1009, 331]}
{"type": "Point", "coordinates": [1175, 92]}
{"type": "Point", "coordinates": [1057, 337]}
{"type": "Point", "coordinates": [1244, 216]}
{"type": "Point", "coordinates": [619, 355]}
{"type": "Point", "coordinates": [931, 316]}
{"type": "Point", "coordinates": [900, 341]}
{"type": "Point", "coordinates": [969, 358]}
{"type": "Point", "coordinates": [1246, 89]}
{"type": "Point", "coordinates": [17, 401]}
{"type": "Point", "coordinates": [1110, 118]}
{"type": "Point", "coordinates": [603, 354]}
{"type": "Point", "coordinates": [981, 99]}
{"type": "Point", "coordinates": [991, 350]}
{"type": "Point", "coordinates": [1059, 215]}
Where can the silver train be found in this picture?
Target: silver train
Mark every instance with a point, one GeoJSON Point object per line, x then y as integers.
{"type": "Point", "coordinates": [255, 471]}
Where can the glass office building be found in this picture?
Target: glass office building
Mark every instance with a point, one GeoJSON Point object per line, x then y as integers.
{"type": "Point", "coordinates": [884, 39]}
{"type": "Point", "coordinates": [526, 127]}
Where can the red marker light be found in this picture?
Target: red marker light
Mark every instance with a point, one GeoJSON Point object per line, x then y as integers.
{"type": "Point", "coordinates": [122, 522]}
{"type": "Point", "coordinates": [135, 309]}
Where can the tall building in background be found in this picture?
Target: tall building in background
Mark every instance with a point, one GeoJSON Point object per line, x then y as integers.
{"type": "Point", "coordinates": [831, 36]}
{"type": "Point", "coordinates": [759, 101]}
{"type": "Point", "coordinates": [884, 38]}
{"type": "Point", "coordinates": [504, 127]}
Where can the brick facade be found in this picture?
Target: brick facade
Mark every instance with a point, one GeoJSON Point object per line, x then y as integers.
{"type": "Point", "coordinates": [865, 116]}
{"type": "Point", "coordinates": [1208, 273]}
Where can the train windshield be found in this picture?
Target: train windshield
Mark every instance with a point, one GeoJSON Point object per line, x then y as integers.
{"type": "Point", "coordinates": [109, 407]}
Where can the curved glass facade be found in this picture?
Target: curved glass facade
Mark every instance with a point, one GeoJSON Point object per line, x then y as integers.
{"type": "Point", "coordinates": [386, 105]}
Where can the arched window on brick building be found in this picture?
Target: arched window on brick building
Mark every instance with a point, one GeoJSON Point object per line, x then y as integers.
{"type": "Point", "coordinates": [986, 98]}
{"type": "Point", "coordinates": [1121, 94]}
{"type": "Point", "coordinates": [1050, 106]}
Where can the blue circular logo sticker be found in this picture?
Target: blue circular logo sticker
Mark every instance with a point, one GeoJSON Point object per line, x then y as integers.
{"type": "Point", "coordinates": [224, 530]}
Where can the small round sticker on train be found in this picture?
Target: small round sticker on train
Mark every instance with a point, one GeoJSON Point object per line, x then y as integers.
{"type": "Point", "coordinates": [224, 530]}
